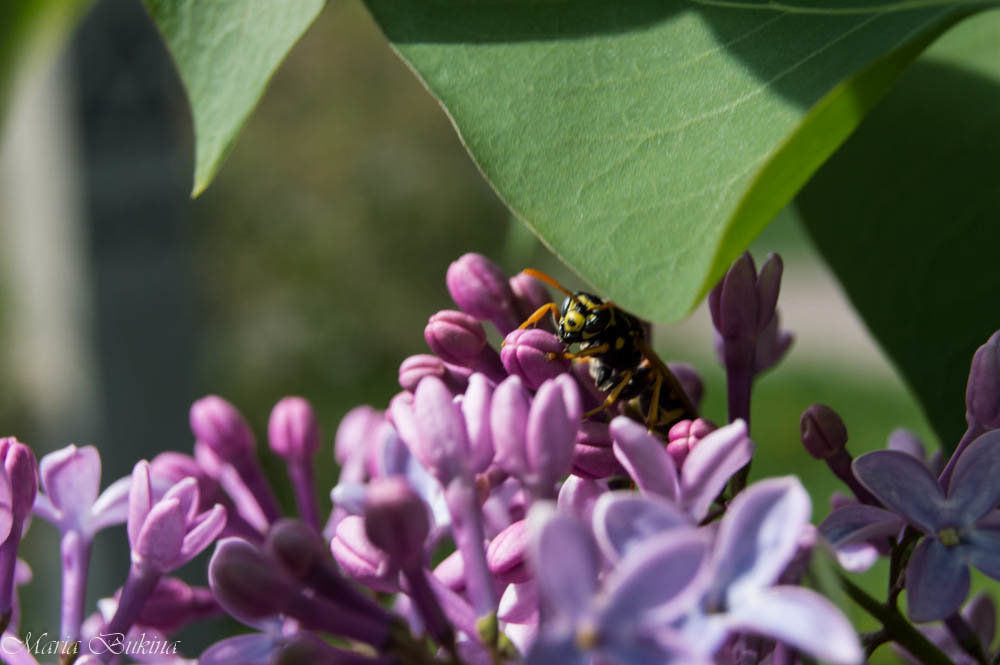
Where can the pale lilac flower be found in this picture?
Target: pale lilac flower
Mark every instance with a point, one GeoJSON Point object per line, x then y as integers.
{"type": "Point", "coordinates": [757, 539]}
{"type": "Point", "coordinates": [706, 469]}
{"type": "Point", "coordinates": [959, 523]}
{"type": "Point", "coordinates": [71, 480]}
{"type": "Point", "coordinates": [163, 536]}
{"type": "Point", "coordinates": [626, 619]}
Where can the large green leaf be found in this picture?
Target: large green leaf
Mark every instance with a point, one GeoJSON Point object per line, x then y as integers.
{"type": "Point", "coordinates": [907, 213]}
{"type": "Point", "coordinates": [226, 52]}
{"type": "Point", "coordinates": [647, 142]}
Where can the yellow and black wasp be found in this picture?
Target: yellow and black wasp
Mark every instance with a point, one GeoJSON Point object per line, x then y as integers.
{"type": "Point", "coordinates": [622, 363]}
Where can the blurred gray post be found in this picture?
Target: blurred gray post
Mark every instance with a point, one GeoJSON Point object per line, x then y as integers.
{"type": "Point", "coordinates": [94, 181]}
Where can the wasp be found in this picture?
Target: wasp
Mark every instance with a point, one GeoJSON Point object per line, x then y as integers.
{"type": "Point", "coordinates": [622, 362]}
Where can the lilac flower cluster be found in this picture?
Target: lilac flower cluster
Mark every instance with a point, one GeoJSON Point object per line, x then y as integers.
{"type": "Point", "coordinates": [492, 515]}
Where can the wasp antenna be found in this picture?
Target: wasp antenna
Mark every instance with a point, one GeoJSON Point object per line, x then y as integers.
{"type": "Point", "coordinates": [538, 274]}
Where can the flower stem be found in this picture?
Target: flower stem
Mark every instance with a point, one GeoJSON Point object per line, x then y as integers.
{"type": "Point", "coordinates": [896, 627]}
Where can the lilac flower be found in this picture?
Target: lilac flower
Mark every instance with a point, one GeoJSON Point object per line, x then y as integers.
{"type": "Point", "coordinates": [535, 437]}
{"type": "Point", "coordinates": [980, 614]}
{"type": "Point", "coordinates": [706, 469]}
{"type": "Point", "coordinates": [480, 288]}
{"type": "Point", "coordinates": [959, 524]}
{"type": "Point", "coordinates": [293, 433]}
{"type": "Point", "coordinates": [824, 436]}
{"type": "Point", "coordinates": [414, 368]}
{"type": "Point", "coordinates": [163, 536]}
{"type": "Point", "coordinates": [627, 619]}
{"type": "Point", "coordinates": [71, 480]}
{"type": "Point", "coordinates": [534, 355]}
{"type": "Point", "coordinates": [743, 311]}
{"type": "Point", "coordinates": [218, 425]}
{"type": "Point", "coordinates": [18, 486]}
{"type": "Point", "coordinates": [757, 539]}
{"type": "Point", "coordinates": [459, 339]}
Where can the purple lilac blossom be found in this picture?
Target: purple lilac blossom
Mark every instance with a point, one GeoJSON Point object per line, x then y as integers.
{"type": "Point", "coordinates": [959, 524]}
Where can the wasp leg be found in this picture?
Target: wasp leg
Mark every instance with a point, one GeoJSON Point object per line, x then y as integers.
{"type": "Point", "coordinates": [654, 408]}
{"type": "Point", "coordinates": [585, 353]}
{"type": "Point", "coordinates": [613, 395]}
{"type": "Point", "coordinates": [539, 313]}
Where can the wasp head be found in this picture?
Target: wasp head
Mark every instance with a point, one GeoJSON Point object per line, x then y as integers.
{"type": "Point", "coordinates": [581, 318]}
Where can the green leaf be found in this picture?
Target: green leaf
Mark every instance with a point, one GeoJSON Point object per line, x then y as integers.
{"type": "Point", "coordinates": [226, 52]}
{"type": "Point", "coordinates": [30, 32]}
{"type": "Point", "coordinates": [647, 142]}
{"type": "Point", "coordinates": [906, 214]}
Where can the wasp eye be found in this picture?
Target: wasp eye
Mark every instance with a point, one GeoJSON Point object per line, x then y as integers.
{"type": "Point", "coordinates": [565, 305]}
{"type": "Point", "coordinates": [573, 321]}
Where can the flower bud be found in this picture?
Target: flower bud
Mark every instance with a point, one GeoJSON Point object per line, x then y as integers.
{"type": "Point", "coordinates": [292, 429]}
{"type": "Point", "coordinates": [174, 604]}
{"type": "Point", "coordinates": [21, 469]}
{"type": "Point", "coordinates": [219, 425]}
{"type": "Point", "coordinates": [246, 583]}
{"type": "Point", "coordinates": [295, 546]}
{"type": "Point", "coordinates": [734, 302]}
{"type": "Point", "coordinates": [396, 520]}
{"type": "Point", "coordinates": [683, 437]}
{"type": "Point", "coordinates": [507, 554]}
{"type": "Point", "coordinates": [534, 355]}
{"type": "Point", "coordinates": [508, 423]}
{"type": "Point", "coordinates": [360, 559]}
{"type": "Point", "coordinates": [456, 337]}
{"type": "Point", "coordinates": [441, 442]}
{"type": "Point", "coordinates": [551, 432]}
{"type": "Point", "coordinates": [415, 368]}
{"type": "Point", "coordinates": [480, 288]}
{"type": "Point", "coordinates": [823, 432]}
{"type": "Point", "coordinates": [982, 396]}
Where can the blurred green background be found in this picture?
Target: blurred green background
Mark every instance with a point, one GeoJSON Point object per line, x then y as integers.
{"type": "Point", "coordinates": [309, 267]}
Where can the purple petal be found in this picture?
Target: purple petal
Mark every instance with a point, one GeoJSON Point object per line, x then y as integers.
{"type": "Point", "coordinates": [802, 618]}
{"type": "Point", "coordinates": [519, 603]}
{"type": "Point", "coordinates": [140, 500]}
{"type": "Point", "coordinates": [973, 490]}
{"type": "Point", "coordinates": [905, 441]}
{"type": "Point", "coordinates": [571, 397]}
{"type": "Point", "coordinates": [645, 459]}
{"type": "Point", "coordinates": [857, 557]}
{"type": "Point", "coordinates": [981, 614]}
{"type": "Point", "coordinates": [555, 648]}
{"type": "Point", "coordinates": [186, 493]}
{"type": "Point", "coordinates": [578, 495]}
{"type": "Point", "coordinates": [550, 434]}
{"type": "Point", "coordinates": [355, 431]}
{"type": "Point", "coordinates": [758, 537]}
{"type": "Point", "coordinates": [567, 565]}
{"type": "Point", "coordinates": [442, 442]}
{"type": "Point", "coordinates": [111, 507]}
{"type": "Point", "coordinates": [937, 581]}
{"type": "Point", "coordinates": [476, 410]}
{"type": "Point", "coordinates": [200, 537]}
{"type": "Point", "coordinates": [7, 507]}
{"type": "Point", "coordinates": [71, 478]}
{"type": "Point", "coordinates": [508, 421]}
{"type": "Point", "coordinates": [159, 541]}
{"type": "Point", "coordinates": [857, 522]}
{"type": "Point", "coordinates": [904, 485]}
{"type": "Point", "coordinates": [658, 581]}
{"type": "Point", "coordinates": [623, 520]}
{"type": "Point", "coordinates": [983, 551]}
{"type": "Point", "coordinates": [253, 649]}
{"type": "Point", "coordinates": [711, 463]}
